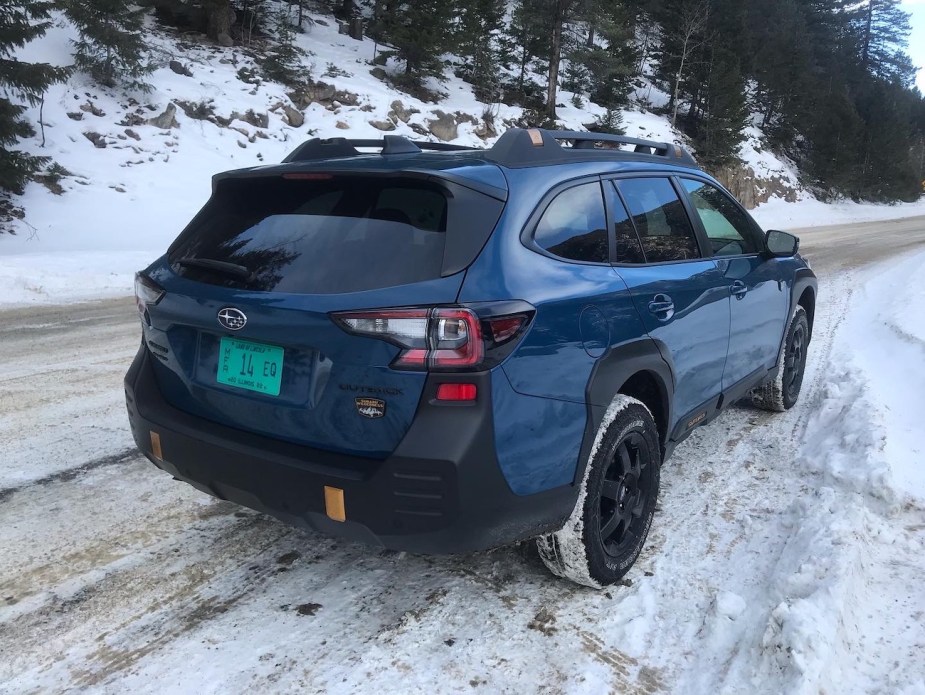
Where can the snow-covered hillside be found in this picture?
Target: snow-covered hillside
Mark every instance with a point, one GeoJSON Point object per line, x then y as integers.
{"type": "Point", "coordinates": [135, 184]}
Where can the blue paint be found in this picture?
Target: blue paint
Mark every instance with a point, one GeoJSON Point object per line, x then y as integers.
{"type": "Point", "coordinates": [537, 439]}
{"type": "Point", "coordinates": [585, 313]}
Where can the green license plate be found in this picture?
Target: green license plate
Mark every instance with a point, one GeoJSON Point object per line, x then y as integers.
{"type": "Point", "coordinates": [252, 366]}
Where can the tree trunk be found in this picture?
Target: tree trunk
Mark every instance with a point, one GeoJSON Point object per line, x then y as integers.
{"type": "Point", "coordinates": [347, 10]}
{"type": "Point", "coordinates": [643, 53]}
{"type": "Point", "coordinates": [524, 59]}
{"type": "Point", "coordinates": [554, 58]}
{"type": "Point", "coordinates": [865, 55]}
{"type": "Point", "coordinates": [677, 86]}
{"type": "Point", "coordinates": [220, 17]}
{"type": "Point", "coordinates": [693, 22]}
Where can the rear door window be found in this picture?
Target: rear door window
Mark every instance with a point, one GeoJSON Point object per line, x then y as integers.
{"type": "Point", "coordinates": [339, 234]}
{"type": "Point", "coordinates": [628, 244]}
{"type": "Point", "coordinates": [660, 219]}
{"type": "Point", "coordinates": [728, 228]}
{"type": "Point", "coordinates": [574, 225]}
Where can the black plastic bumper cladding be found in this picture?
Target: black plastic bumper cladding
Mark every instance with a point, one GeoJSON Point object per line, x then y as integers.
{"type": "Point", "coordinates": [440, 492]}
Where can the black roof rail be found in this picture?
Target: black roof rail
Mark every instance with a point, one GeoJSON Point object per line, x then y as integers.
{"type": "Point", "coordinates": [517, 147]}
{"type": "Point", "coordinates": [520, 147]}
{"type": "Point", "coordinates": [318, 148]}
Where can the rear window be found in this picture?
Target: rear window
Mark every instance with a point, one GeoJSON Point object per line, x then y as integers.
{"type": "Point", "coordinates": [344, 234]}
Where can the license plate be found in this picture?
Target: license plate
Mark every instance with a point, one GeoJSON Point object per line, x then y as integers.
{"type": "Point", "coordinates": [253, 366]}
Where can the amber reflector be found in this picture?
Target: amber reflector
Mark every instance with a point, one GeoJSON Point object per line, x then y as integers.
{"type": "Point", "coordinates": [334, 503]}
{"type": "Point", "coordinates": [156, 446]}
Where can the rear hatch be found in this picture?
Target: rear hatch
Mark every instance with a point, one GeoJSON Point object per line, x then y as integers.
{"type": "Point", "coordinates": [243, 333]}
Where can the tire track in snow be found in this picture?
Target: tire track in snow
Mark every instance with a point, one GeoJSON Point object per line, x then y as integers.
{"type": "Point", "coordinates": [123, 456]}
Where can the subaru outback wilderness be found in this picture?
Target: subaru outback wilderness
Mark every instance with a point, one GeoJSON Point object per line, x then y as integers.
{"type": "Point", "coordinates": [440, 349]}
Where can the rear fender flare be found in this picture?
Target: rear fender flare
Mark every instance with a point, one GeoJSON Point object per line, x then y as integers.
{"type": "Point", "coordinates": [609, 375]}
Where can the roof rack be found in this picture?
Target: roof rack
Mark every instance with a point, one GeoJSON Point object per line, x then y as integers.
{"type": "Point", "coordinates": [520, 147]}
{"type": "Point", "coordinates": [318, 148]}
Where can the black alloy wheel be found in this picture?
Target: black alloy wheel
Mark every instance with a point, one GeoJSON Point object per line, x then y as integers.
{"type": "Point", "coordinates": [625, 489]}
{"type": "Point", "coordinates": [607, 530]}
{"type": "Point", "coordinates": [795, 361]}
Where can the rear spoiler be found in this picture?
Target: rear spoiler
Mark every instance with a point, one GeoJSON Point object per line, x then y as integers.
{"type": "Point", "coordinates": [434, 175]}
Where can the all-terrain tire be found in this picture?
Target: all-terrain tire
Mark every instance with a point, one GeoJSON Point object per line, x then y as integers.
{"type": "Point", "coordinates": [783, 391]}
{"type": "Point", "coordinates": [616, 502]}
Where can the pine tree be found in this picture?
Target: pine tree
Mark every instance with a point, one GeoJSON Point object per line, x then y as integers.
{"type": "Point", "coordinates": [684, 26]}
{"type": "Point", "coordinates": [283, 60]}
{"type": "Point", "coordinates": [887, 169]}
{"type": "Point", "coordinates": [419, 31]}
{"type": "Point", "coordinates": [111, 47]}
{"type": "Point", "coordinates": [780, 62]}
{"type": "Point", "coordinates": [479, 44]}
{"type": "Point", "coordinates": [611, 122]}
{"type": "Point", "coordinates": [883, 31]}
{"type": "Point", "coordinates": [610, 53]}
{"type": "Point", "coordinates": [21, 21]}
{"type": "Point", "coordinates": [530, 32]}
{"type": "Point", "coordinates": [833, 141]}
{"type": "Point", "coordinates": [722, 111]}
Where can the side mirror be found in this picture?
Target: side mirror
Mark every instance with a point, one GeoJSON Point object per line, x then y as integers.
{"type": "Point", "coordinates": [781, 244]}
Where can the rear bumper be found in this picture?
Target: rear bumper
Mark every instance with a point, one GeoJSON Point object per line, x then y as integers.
{"type": "Point", "coordinates": [414, 501]}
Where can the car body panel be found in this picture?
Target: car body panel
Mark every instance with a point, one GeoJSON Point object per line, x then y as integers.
{"type": "Point", "coordinates": [695, 338]}
{"type": "Point", "coordinates": [537, 439]}
{"type": "Point", "coordinates": [511, 467]}
{"type": "Point", "coordinates": [758, 316]}
{"type": "Point", "coordinates": [325, 369]}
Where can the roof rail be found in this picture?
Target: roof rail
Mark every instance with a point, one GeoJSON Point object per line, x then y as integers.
{"type": "Point", "coordinates": [520, 147]}
{"type": "Point", "coordinates": [318, 148]}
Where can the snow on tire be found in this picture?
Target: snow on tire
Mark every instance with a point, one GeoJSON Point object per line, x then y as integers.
{"type": "Point", "coordinates": [782, 392]}
{"type": "Point", "coordinates": [616, 501]}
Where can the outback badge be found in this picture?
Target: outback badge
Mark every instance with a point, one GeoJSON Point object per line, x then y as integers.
{"type": "Point", "coordinates": [370, 407]}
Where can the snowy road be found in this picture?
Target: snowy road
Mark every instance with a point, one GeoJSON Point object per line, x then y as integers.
{"type": "Point", "coordinates": [778, 561]}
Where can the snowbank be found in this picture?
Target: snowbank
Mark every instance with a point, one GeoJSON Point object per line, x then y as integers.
{"type": "Point", "coordinates": [809, 212]}
{"type": "Point", "coordinates": [849, 577]}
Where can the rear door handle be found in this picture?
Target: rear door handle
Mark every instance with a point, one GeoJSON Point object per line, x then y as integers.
{"type": "Point", "coordinates": [662, 306]}
{"type": "Point", "coordinates": [739, 289]}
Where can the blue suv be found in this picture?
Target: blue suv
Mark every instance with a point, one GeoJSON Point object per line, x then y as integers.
{"type": "Point", "coordinates": [440, 349]}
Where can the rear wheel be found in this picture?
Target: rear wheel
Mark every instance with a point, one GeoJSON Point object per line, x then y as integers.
{"type": "Point", "coordinates": [608, 528]}
{"type": "Point", "coordinates": [782, 392]}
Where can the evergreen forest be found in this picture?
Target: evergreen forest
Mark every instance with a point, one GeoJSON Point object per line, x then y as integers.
{"type": "Point", "coordinates": [829, 82]}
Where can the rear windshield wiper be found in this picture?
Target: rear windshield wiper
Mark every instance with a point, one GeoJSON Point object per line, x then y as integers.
{"type": "Point", "coordinates": [233, 269]}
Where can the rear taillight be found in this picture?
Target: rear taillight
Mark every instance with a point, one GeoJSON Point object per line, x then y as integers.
{"type": "Point", "coordinates": [439, 338]}
{"type": "Point", "coordinates": [147, 293]}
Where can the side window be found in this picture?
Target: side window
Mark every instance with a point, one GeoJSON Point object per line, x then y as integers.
{"type": "Point", "coordinates": [727, 227]}
{"type": "Point", "coordinates": [658, 214]}
{"type": "Point", "coordinates": [629, 247]}
{"type": "Point", "coordinates": [574, 226]}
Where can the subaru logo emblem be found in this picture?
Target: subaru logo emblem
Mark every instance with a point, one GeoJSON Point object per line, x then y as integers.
{"type": "Point", "coordinates": [231, 318]}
